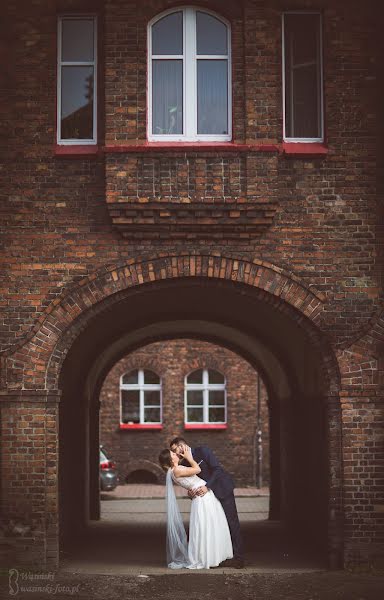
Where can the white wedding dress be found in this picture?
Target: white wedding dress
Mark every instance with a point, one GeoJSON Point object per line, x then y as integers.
{"type": "Point", "coordinates": [209, 536]}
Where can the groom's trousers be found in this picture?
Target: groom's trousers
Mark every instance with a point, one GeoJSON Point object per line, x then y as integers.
{"type": "Point", "coordinates": [229, 505]}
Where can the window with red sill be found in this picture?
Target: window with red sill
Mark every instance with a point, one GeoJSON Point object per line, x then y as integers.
{"type": "Point", "coordinates": [302, 79]}
{"type": "Point", "coordinates": [189, 84]}
{"type": "Point", "coordinates": [205, 400]}
{"type": "Point", "coordinates": [77, 81]}
{"type": "Point", "coordinates": [140, 400]}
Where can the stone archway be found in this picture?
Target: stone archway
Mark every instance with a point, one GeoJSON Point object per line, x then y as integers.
{"type": "Point", "coordinates": [96, 302]}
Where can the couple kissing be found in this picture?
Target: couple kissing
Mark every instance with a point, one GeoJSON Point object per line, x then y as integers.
{"type": "Point", "coordinates": [214, 528]}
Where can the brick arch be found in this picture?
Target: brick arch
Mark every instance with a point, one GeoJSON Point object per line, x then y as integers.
{"type": "Point", "coordinates": [144, 465]}
{"type": "Point", "coordinates": [208, 362]}
{"type": "Point", "coordinates": [133, 363]}
{"type": "Point", "coordinates": [41, 356]}
{"type": "Point", "coordinates": [361, 361]}
{"type": "Point", "coordinates": [371, 340]}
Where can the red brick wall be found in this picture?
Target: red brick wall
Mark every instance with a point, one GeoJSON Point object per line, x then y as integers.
{"type": "Point", "coordinates": [58, 225]}
{"type": "Point", "coordinates": [319, 219]}
{"type": "Point", "coordinates": [172, 361]}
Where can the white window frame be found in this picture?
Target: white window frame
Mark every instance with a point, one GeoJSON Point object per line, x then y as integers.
{"type": "Point", "coordinates": [189, 58]}
{"type": "Point", "coordinates": [141, 387]}
{"type": "Point", "coordinates": [205, 387]}
{"type": "Point", "coordinates": [321, 95]}
{"type": "Point", "coordinates": [61, 63]}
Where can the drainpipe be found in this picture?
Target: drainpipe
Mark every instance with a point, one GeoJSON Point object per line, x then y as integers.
{"type": "Point", "coordinates": [258, 436]}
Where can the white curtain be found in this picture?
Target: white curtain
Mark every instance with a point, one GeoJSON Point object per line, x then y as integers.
{"type": "Point", "coordinates": [212, 97]}
{"type": "Point", "coordinates": [167, 97]}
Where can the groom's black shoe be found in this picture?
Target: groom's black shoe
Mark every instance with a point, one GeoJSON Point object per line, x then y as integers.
{"type": "Point", "coordinates": [233, 563]}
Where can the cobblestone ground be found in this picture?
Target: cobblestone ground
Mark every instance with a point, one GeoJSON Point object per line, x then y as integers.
{"type": "Point", "coordinates": [273, 586]}
{"type": "Point", "coordinates": [122, 557]}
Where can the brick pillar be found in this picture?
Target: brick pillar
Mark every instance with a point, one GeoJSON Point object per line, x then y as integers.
{"type": "Point", "coordinates": [28, 468]}
{"type": "Point", "coordinates": [363, 454]}
{"type": "Point", "coordinates": [335, 484]}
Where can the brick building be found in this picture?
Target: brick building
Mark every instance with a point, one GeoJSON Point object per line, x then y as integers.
{"type": "Point", "coordinates": [207, 173]}
{"type": "Point", "coordinates": [225, 413]}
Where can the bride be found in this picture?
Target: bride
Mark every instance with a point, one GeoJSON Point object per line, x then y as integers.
{"type": "Point", "coordinates": [209, 537]}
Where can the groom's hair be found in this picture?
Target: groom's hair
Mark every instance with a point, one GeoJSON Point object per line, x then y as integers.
{"type": "Point", "coordinates": [176, 441]}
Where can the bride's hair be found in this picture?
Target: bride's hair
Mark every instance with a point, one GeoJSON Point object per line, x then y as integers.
{"type": "Point", "coordinates": [165, 459]}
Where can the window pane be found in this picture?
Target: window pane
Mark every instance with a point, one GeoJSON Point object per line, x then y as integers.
{"type": "Point", "coordinates": [303, 104]}
{"type": "Point", "coordinates": [77, 103]}
{"type": "Point", "coordinates": [302, 76]}
{"type": "Point", "coordinates": [195, 397]}
{"type": "Point", "coordinates": [215, 376]}
{"type": "Point", "coordinates": [167, 97]}
{"type": "Point", "coordinates": [212, 97]}
{"type": "Point", "coordinates": [151, 398]}
{"type": "Point", "coordinates": [195, 415]}
{"type": "Point", "coordinates": [130, 406]}
{"type": "Point", "coordinates": [167, 35]}
{"type": "Point", "coordinates": [131, 377]}
{"type": "Point", "coordinates": [151, 377]}
{"type": "Point", "coordinates": [216, 415]}
{"type": "Point", "coordinates": [216, 398]}
{"type": "Point", "coordinates": [152, 415]}
{"type": "Point", "coordinates": [211, 35]}
{"type": "Point", "coordinates": [77, 38]}
{"type": "Point", "coordinates": [196, 376]}
{"type": "Point", "coordinates": [302, 36]}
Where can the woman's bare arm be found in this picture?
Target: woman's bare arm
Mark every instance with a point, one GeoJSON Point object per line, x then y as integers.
{"type": "Point", "coordinates": [193, 469]}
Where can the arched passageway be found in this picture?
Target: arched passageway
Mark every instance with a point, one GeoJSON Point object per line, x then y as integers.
{"type": "Point", "coordinates": [283, 345]}
{"type": "Point", "coordinates": [141, 476]}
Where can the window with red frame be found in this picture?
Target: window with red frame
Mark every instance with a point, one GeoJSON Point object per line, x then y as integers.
{"type": "Point", "coordinates": [189, 76]}
{"type": "Point", "coordinates": [140, 394]}
{"type": "Point", "coordinates": [76, 81]}
{"type": "Point", "coordinates": [302, 77]}
{"type": "Point", "coordinates": [205, 398]}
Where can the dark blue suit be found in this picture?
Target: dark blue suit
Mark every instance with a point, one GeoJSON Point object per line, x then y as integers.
{"type": "Point", "coordinates": [221, 483]}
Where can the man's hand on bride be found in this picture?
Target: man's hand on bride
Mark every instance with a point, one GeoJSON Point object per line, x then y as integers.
{"type": "Point", "coordinates": [201, 491]}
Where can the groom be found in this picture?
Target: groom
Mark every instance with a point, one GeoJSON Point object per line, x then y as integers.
{"type": "Point", "coordinates": [221, 483]}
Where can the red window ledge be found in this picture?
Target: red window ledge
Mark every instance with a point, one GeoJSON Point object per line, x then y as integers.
{"type": "Point", "coordinates": [298, 149]}
{"type": "Point", "coordinates": [190, 147]}
{"type": "Point", "coordinates": [140, 426]}
{"type": "Point", "coordinates": [205, 426]}
{"type": "Point", "coordinates": [76, 150]}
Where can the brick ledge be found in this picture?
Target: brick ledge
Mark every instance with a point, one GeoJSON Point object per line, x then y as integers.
{"type": "Point", "coordinates": [189, 146]}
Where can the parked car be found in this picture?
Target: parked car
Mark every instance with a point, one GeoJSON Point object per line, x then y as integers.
{"type": "Point", "coordinates": [109, 478]}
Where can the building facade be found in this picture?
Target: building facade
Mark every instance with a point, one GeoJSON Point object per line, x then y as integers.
{"type": "Point", "coordinates": [206, 171]}
{"type": "Point", "coordinates": [189, 388]}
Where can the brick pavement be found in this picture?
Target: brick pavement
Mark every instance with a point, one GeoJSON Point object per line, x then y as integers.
{"type": "Point", "coordinates": [146, 490]}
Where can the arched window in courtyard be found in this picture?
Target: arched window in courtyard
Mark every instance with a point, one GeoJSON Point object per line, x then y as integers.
{"type": "Point", "coordinates": [205, 398]}
{"type": "Point", "coordinates": [189, 87]}
{"type": "Point", "coordinates": [140, 398]}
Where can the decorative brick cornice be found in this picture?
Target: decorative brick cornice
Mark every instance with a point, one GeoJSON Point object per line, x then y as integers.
{"type": "Point", "coordinates": [193, 220]}
{"type": "Point", "coordinates": [191, 195]}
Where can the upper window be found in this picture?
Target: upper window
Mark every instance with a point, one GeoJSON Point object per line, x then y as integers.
{"type": "Point", "coordinates": [302, 76]}
{"type": "Point", "coordinates": [205, 397]}
{"type": "Point", "coordinates": [189, 77]}
{"type": "Point", "coordinates": [76, 85]}
{"type": "Point", "coordinates": [140, 393]}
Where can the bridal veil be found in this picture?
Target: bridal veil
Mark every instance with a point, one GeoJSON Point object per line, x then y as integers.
{"type": "Point", "coordinates": [177, 545]}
